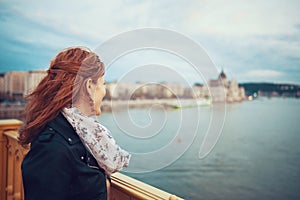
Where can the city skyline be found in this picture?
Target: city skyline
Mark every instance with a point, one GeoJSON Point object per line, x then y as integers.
{"type": "Point", "coordinates": [17, 84]}
{"type": "Point", "coordinates": [154, 81]}
{"type": "Point", "coordinates": [252, 41]}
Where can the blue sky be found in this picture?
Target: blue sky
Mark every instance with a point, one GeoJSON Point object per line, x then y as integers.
{"type": "Point", "coordinates": [257, 41]}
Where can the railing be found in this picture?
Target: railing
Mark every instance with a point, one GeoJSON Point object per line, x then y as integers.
{"type": "Point", "coordinates": [11, 155]}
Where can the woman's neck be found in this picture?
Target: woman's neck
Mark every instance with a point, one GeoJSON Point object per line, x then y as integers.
{"type": "Point", "coordinates": [83, 108]}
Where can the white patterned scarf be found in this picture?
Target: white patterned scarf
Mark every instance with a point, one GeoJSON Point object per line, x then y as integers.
{"type": "Point", "coordinates": [98, 140]}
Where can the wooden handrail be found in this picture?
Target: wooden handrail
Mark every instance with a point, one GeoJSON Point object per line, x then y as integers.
{"type": "Point", "coordinates": [136, 189]}
{"type": "Point", "coordinates": [9, 124]}
{"type": "Point", "coordinates": [12, 154]}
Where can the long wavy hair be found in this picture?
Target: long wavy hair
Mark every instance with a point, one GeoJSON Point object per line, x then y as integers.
{"type": "Point", "coordinates": [64, 83]}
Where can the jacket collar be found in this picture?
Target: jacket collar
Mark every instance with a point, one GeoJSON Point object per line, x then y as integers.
{"type": "Point", "coordinates": [64, 128]}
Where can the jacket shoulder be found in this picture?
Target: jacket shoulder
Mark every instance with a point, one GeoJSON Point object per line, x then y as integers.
{"type": "Point", "coordinates": [59, 130]}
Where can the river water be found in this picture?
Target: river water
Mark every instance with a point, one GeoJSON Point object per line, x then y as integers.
{"type": "Point", "coordinates": [257, 155]}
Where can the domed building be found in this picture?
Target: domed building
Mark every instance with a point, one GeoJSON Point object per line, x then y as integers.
{"type": "Point", "coordinates": [222, 77]}
{"type": "Point", "coordinates": [221, 90]}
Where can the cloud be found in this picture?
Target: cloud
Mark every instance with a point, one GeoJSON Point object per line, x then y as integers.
{"type": "Point", "coordinates": [243, 18]}
{"type": "Point", "coordinates": [240, 36]}
{"type": "Point", "coordinates": [97, 20]}
{"type": "Point", "coordinates": [264, 73]}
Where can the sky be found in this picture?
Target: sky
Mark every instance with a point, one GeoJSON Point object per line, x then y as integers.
{"type": "Point", "coordinates": [252, 41]}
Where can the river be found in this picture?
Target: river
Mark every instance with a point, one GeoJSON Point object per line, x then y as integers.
{"type": "Point", "coordinates": [257, 155]}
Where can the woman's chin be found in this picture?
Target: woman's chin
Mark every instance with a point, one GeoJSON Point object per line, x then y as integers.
{"type": "Point", "coordinates": [98, 112]}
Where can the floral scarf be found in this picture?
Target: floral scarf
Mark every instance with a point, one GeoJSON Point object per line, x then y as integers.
{"type": "Point", "coordinates": [98, 140]}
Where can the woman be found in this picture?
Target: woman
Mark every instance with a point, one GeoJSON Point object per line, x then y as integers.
{"type": "Point", "coordinates": [70, 154]}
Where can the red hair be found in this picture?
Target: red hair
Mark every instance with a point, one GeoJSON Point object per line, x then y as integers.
{"type": "Point", "coordinates": [65, 81]}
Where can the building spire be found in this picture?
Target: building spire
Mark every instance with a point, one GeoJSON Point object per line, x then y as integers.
{"type": "Point", "coordinates": [222, 74]}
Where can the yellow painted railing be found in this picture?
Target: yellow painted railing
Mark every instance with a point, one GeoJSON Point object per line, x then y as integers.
{"type": "Point", "coordinates": [11, 155]}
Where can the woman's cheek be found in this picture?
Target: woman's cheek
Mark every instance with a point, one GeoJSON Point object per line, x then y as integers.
{"type": "Point", "coordinates": [104, 92]}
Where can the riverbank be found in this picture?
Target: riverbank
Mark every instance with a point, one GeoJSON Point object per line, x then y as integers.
{"type": "Point", "coordinates": [108, 106]}
{"type": "Point", "coordinates": [10, 110]}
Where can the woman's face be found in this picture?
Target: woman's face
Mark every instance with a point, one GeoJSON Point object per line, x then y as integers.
{"type": "Point", "coordinates": [98, 94]}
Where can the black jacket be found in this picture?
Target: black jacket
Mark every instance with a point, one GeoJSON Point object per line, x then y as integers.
{"type": "Point", "coordinates": [58, 167]}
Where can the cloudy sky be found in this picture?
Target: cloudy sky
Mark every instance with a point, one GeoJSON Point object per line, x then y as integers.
{"type": "Point", "coordinates": [257, 41]}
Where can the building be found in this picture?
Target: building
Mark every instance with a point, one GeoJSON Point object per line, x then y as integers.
{"type": "Point", "coordinates": [234, 92]}
{"type": "Point", "coordinates": [217, 91]}
{"type": "Point", "coordinates": [222, 90]}
{"type": "Point", "coordinates": [2, 87]}
{"type": "Point", "coordinates": [173, 90]}
{"type": "Point", "coordinates": [32, 79]}
{"type": "Point", "coordinates": [121, 90]}
{"type": "Point", "coordinates": [14, 85]}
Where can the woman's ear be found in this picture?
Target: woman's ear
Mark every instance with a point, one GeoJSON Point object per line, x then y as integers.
{"type": "Point", "coordinates": [89, 86]}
